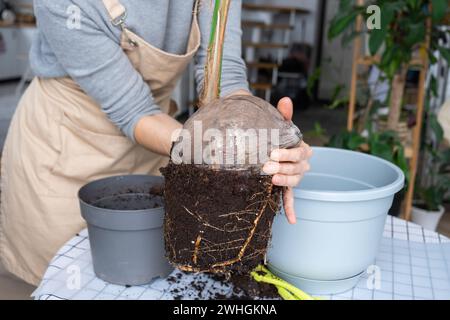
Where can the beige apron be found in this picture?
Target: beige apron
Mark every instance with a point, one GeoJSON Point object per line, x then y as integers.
{"type": "Point", "coordinates": [59, 139]}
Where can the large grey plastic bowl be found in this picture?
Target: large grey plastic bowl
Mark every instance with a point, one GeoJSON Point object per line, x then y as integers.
{"type": "Point", "coordinates": [127, 245]}
{"type": "Point", "coordinates": [341, 207]}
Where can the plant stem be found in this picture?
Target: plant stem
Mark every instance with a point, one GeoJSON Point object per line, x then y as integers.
{"type": "Point", "coordinates": [398, 88]}
{"type": "Point", "coordinates": [213, 66]}
{"type": "Point", "coordinates": [365, 116]}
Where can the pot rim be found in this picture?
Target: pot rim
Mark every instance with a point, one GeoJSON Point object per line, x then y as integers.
{"type": "Point", "coordinates": [357, 195]}
{"type": "Point", "coordinates": [120, 220]}
{"type": "Point", "coordinates": [112, 211]}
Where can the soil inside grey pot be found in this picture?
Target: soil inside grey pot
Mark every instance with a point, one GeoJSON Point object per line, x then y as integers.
{"type": "Point", "coordinates": [127, 200]}
{"type": "Point", "coordinates": [125, 224]}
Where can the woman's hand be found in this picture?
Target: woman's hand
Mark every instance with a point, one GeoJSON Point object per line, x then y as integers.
{"type": "Point", "coordinates": [288, 165]}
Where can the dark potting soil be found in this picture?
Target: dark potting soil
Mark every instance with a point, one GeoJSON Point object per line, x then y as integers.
{"type": "Point", "coordinates": [237, 287]}
{"type": "Point", "coordinates": [217, 221]}
{"type": "Point", "coordinates": [129, 202]}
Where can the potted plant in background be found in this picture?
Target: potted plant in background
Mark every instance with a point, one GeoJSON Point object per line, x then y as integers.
{"type": "Point", "coordinates": [427, 210]}
{"type": "Point", "coordinates": [432, 187]}
{"type": "Point", "coordinates": [428, 205]}
{"type": "Point", "coordinates": [398, 44]}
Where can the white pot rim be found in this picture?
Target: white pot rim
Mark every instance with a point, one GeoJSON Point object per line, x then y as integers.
{"type": "Point", "coordinates": [440, 211]}
{"type": "Point", "coordinates": [370, 192]}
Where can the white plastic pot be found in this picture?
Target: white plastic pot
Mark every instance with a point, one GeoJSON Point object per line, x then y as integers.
{"type": "Point", "coordinates": [341, 208]}
{"type": "Point", "coordinates": [427, 219]}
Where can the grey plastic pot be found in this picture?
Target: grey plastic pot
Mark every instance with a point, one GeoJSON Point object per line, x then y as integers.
{"type": "Point", "coordinates": [127, 244]}
{"type": "Point", "coordinates": [341, 207]}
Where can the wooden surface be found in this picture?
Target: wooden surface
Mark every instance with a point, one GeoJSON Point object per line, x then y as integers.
{"type": "Point", "coordinates": [354, 77]}
{"type": "Point", "coordinates": [274, 8]}
{"type": "Point", "coordinates": [417, 132]}
{"type": "Point", "coordinates": [408, 152]}
{"type": "Point", "coordinates": [261, 86]}
{"type": "Point", "coordinates": [370, 60]}
{"type": "Point", "coordinates": [262, 65]}
{"type": "Point", "coordinates": [17, 25]}
{"type": "Point", "coordinates": [262, 25]}
{"type": "Point", "coordinates": [262, 45]}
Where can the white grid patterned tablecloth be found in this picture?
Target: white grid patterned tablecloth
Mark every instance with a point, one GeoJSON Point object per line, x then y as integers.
{"type": "Point", "coordinates": [414, 264]}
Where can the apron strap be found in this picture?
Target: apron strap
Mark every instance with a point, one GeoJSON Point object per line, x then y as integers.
{"type": "Point", "coordinates": [118, 14]}
{"type": "Point", "coordinates": [116, 10]}
{"type": "Point", "coordinates": [196, 7]}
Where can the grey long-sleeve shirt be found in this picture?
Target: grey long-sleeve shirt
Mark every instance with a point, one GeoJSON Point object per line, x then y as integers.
{"type": "Point", "coordinates": [91, 54]}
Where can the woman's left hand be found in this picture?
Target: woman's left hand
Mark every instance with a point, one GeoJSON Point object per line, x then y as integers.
{"type": "Point", "coordinates": [288, 165]}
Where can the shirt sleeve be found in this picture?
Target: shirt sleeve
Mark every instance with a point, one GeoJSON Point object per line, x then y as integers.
{"type": "Point", "coordinates": [97, 63]}
{"type": "Point", "coordinates": [234, 72]}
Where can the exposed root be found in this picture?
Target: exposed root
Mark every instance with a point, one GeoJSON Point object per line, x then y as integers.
{"type": "Point", "coordinates": [197, 246]}
{"type": "Point", "coordinates": [219, 267]}
{"type": "Point", "coordinates": [203, 222]}
{"type": "Point", "coordinates": [252, 232]}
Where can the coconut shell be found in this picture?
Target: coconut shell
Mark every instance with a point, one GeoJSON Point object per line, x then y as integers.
{"type": "Point", "coordinates": [237, 132]}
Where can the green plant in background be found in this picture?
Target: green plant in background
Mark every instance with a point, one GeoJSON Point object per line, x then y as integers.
{"type": "Point", "coordinates": [433, 184]}
{"type": "Point", "coordinates": [337, 100]}
{"type": "Point", "coordinates": [385, 145]}
{"type": "Point", "coordinates": [312, 80]}
{"type": "Point", "coordinates": [433, 187]}
{"type": "Point", "coordinates": [431, 195]}
{"type": "Point", "coordinates": [350, 140]}
{"type": "Point", "coordinates": [318, 136]}
{"type": "Point", "coordinates": [318, 130]}
{"type": "Point", "coordinates": [401, 37]}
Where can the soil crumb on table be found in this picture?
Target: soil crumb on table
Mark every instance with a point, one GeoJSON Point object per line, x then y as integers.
{"type": "Point", "coordinates": [188, 286]}
{"type": "Point", "coordinates": [246, 288]}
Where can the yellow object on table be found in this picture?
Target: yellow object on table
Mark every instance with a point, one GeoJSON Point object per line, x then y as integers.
{"type": "Point", "coordinates": [286, 290]}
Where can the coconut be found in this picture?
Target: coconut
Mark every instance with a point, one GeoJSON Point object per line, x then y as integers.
{"type": "Point", "coordinates": [219, 204]}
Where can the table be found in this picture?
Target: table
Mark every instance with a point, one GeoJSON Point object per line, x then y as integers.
{"type": "Point", "coordinates": [413, 263]}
